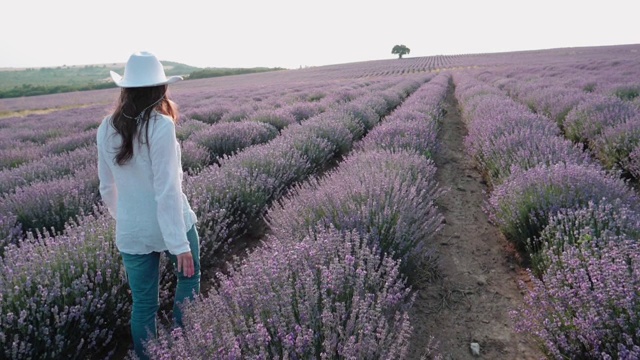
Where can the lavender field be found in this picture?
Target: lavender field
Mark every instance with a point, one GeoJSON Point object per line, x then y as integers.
{"type": "Point", "coordinates": [319, 202]}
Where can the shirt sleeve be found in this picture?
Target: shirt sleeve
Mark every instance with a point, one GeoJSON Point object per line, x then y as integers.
{"type": "Point", "coordinates": [107, 188]}
{"type": "Point", "coordinates": [167, 183]}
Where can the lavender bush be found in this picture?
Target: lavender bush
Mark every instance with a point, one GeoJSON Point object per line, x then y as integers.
{"type": "Point", "coordinates": [210, 114]}
{"type": "Point", "coordinates": [317, 150]}
{"type": "Point", "coordinates": [524, 149]}
{"type": "Point", "coordinates": [303, 110]}
{"type": "Point", "coordinates": [64, 296]}
{"type": "Point", "coordinates": [522, 204]}
{"type": "Point", "coordinates": [328, 128]}
{"type": "Point", "coordinates": [279, 161]}
{"type": "Point", "coordinates": [588, 119]}
{"type": "Point", "coordinates": [70, 142]}
{"type": "Point", "coordinates": [50, 204]}
{"type": "Point", "coordinates": [587, 304]}
{"type": "Point", "coordinates": [237, 113]}
{"type": "Point", "coordinates": [606, 221]}
{"type": "Point", "coordinates": [389, 196]}
{"type": "Point", "coordinates": [225, 200]}
{"type": "Point", "coordinates": [229, 138]}
{"type": "Point", "coordinates": [47, 168]}
{"type": "Point", "coordinates": [328, 296]}
{"type": "Point", "coordinates": [278, 118]}
{"type": "Point", "coordinates": [614, 144]}
{"type": "Point", "coordinates": [10, 231]}
{"type": "Point", "coordinates": [416, 135]}
{"type": "Point", "coordinates": [186, 126]}
{"type": "Point", "coordinates": [194, 157]}
{"type": "Point", "coordinates": [14, 157]}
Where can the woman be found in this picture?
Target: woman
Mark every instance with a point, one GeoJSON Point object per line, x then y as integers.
{"type": "Point", "coordinates": [140, 175]}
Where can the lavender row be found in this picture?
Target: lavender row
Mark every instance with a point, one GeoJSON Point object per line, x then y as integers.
{"type": "Point", "coordinates": [47, 168]}
{"type": "Point", "coordinates": [19, 153]}
{"type": "Point", "coordinates": [61, 296]}
{"type": "Point", "coordinates": [324, 284]}
{"type": "Point", "coordinates": [413, 126]}
{"type": "Point", "coordinates": [47, 205]}
{"type": "Point", "coordinates": [580, 226]}
{"type": "Point", "coordinates": [325, 296]}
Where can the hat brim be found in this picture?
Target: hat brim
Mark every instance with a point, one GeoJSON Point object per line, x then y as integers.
{"type": "Point", "coordinates": [119, 81]}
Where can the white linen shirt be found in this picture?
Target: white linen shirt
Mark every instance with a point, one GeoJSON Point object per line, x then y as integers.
{"type": "Point", "coordinates": [145, 195]}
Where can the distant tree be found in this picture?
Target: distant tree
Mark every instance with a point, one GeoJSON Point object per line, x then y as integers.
{"type": "Point", "coordinates": [400, 50]}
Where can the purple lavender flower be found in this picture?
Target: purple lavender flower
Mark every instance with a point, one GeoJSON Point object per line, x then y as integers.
{"type": "Point", "coordinates": [387, 195]}
{"type": "Point", "coordinates": [589, 118]}
{"type": "Point", "coordinates": [62, 296]}
{"type": "Point", "coordinates": [614, 144]}
{"type": "Point", "coordinates": [228, 138]}
{"type": "Point", "coordinates": [522, 204]}
{"type": "Point", "coordinates": [587, 304]}
{"type": "Point", "coordinates": [608, 221]}
{"type": "Point", "coordinates": [328, 295]}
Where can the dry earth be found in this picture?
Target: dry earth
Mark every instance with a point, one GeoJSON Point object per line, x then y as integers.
{"type": "Point", "coordinates": [479, 270]}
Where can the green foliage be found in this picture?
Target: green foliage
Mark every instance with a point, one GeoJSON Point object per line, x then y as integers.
{"type": "Point", "coordinates": [400, 50]}
{"type": "Point", "coordinates": [627, 92]}
{"type": "Point", "coordinates": [216, 72]}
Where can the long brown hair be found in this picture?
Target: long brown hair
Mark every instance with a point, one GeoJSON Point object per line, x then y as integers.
{"type": "Point", "coordinates": [132, 114]}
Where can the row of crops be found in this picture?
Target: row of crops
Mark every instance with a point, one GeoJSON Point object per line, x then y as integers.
{"type": "Point", "coordinates": [563, 201]}
{"type": "Point", "coordinates": [74, 302]}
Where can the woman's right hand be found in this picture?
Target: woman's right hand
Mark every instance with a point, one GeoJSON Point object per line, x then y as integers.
{"type": "Point", "coordinates": [185, 264]}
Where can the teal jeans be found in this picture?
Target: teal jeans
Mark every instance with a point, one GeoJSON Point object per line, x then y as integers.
{"type": "Point", "coordinates": [143, 275]}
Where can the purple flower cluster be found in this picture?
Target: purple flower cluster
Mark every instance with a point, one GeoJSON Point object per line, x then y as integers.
{"type": "Point", "coordinates": [387, 195]}
{"type": "Point", "coordinates": [50, 204]}
{"type": "Point", "coordinates": [208, 113]}
{"type": "Point", "coordinates": [187, 126]}
{"type": "Point", "coordinates": [279, 118]}
{"type": "Point", "coordinates": [60, 295]}
{"type": "Point", "coordinates": [608, 221]}
{"type": "Point", "coordinates": [589, 118]}
{"type": "Point", "coordinates": [522, 205]}
{"type": "Point", "coordinates": [414, 125]}
{"type": "Point", "coordinates": [194, 157]}
{"type": "Point", "coordinates": [47, 168]}
{"type": "Point", "coordinates": [613, 147]}
{"type": "Point", "coordinates": [587, 305]}
{"type": "Point", "coordinates": [328, 295]}
{"type": "Point", "coordinates": [229, 138]}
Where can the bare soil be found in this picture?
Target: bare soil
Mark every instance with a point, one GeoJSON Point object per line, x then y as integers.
{"type": "Point", "coordinates": [479, 270]}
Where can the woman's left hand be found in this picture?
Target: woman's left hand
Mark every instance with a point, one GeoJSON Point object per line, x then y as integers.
{"type": "Point", "coordinates": [185, 264]}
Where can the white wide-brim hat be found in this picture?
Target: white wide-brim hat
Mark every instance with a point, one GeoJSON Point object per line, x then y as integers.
{"type": "Point", "coordinates": [143, 69]}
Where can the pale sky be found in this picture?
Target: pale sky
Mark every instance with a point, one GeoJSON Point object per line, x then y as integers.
{"type": "Point", "coordinates": [290, 34]}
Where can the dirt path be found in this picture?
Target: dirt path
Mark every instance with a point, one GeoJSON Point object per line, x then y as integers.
{"type": "Point", "coordinates": [471, 300]}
